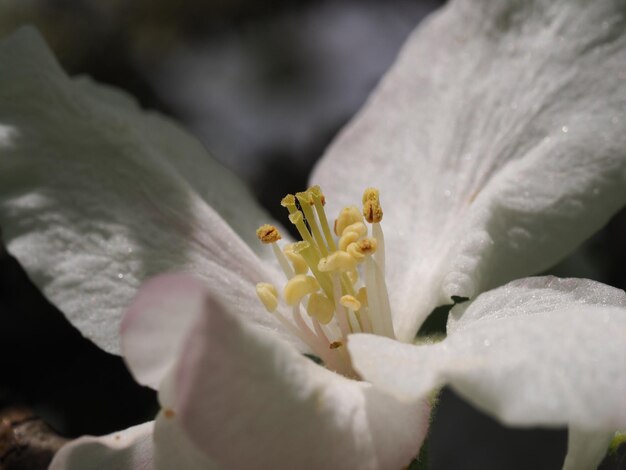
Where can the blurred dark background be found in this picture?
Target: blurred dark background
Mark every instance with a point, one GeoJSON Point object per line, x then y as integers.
{"type": "Point", "coordinates": [265, 86]}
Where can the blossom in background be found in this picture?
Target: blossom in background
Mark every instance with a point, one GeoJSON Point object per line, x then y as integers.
{"type": "Point", "coordinates": [497, 143]}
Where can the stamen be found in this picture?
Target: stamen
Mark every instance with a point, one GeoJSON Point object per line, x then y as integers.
{"type": "Point", "coordinates": [321, 308]}
{"type": "Point", "coordinates": [377, 231]}
{"type": "Point", "coordinates": [359, 250]}
{"type": "Point", "coordinates": [347, 216]}
{"type": "Point", "coordinates": [268, 295]}
{"type": "Point", "coordinates": [372, 211]}
{"type": "Point", "coordinates": [378, 299]}
{"type": "Point", "coordinates": [268, 234]}
{"type": "Point", "coordinates": [339, 261]}
{"type": "Point", "coordinates": [299, 286]}
{"type": "Point", "coordinates": [312, 260]}
{"type": "Point", "coordinates": [341, 314]}
{"type": "Point", "coordinates": [351, 234]}
{"type": "Point", "coordinates": [350, 302]}
{"type": "Point", "coordinates": [297, 261]}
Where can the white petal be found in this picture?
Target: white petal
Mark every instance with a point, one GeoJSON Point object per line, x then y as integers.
{"type": "Point", "coordinates": [129, 449]}
{"type": "Point", "coordinates": [585, 450]}
{"type": "Point", "coordinates": [97, 195]}
{"type": "Point", "coordinates": [173, 450]}
{"type": "Point", "coordinates": [249, 401]}
{"type": "Point", "coordinates": [550, 354]}
{"type": "Point", "coordinates": [497, 141]}
{"type": "Point", "coordinates": [158, 320]}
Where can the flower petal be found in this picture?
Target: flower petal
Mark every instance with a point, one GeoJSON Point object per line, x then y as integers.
{"type": "Point", "coordinates": [585, 450]}
{"type": "Point", "coordinates": [173, 450]}
{"type": "Point", "coordinates": [129, 449]}
{"type": "Point", "coordinates": [97, 195]}
{"type": "Point", "coordinates": [249, 401]}
{"type": "Point", "coordinates": [561, 363]}
{"type": "Point", "coordinates": [157, 322]}
{"type": "Point", "coordinates": [497, 143]}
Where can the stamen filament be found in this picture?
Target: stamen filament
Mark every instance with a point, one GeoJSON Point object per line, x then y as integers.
{"type": "Point", "coordinates": [283, 261]}
{"type": "Point", "coordinates": [340, 311]}
{"type": "Point", "coordinates": [379, 256]}
{"type": "Point", "coordinates": [378, 299]}
{"type": "Point", "coordinates": [313, 339]}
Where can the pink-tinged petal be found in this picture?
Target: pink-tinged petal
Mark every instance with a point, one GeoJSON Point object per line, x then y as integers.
{"type": "Point", "coordinates": [249, 401]}
{"type": "Point", "coordinates": [172, 448]}
{"type": "Point", "coordinates": [497, 141]}
{"type": "Point", "coordinates": [130, 449]}
{"type": "Point", "coordinates": [97, 195]}
{"type": "Point", "coordinates": [156, 324]}
{"type": "Point", "coordinates": [539, 351]}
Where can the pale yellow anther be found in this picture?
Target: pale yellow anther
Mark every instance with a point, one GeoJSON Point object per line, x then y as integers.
{"type": "Point", "coordinates": [321, 308]}
{"type": "Point", "coordinates": [372, 211]}
{"type": "Point", "coordinates": [268, 234]}
{"type": "Point", "coordinates": [357, 227]}
{"type": "Point", "coordinates": [347, 238]}
{"type": "Point", "coordinates": [361, 296]}
{"type": "Point", "coordinates": [338, 261]}
{"type": "Point", "coordinates": [299, 286]}
{"type": "Point", "coordinates": [347, 216]}
{"type": "Point", "coordinates": [351, 234]}
{"type": "Point", "coordinates": [296, 259]}
{"type": "Point", "coordinates": [362, 248]}
{"type": "Point", "coordinates": [350, 302]}
{"type": "Point", "coordinates": [268, 295]}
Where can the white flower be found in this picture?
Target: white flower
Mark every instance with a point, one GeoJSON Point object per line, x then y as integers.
{"type": "Point", "coordinates": [497, 144]}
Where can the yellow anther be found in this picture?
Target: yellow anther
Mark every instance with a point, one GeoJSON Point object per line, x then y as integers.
{"type": "Point", "coordinates": [347, 238]}
{"type": "Point", "coordinates": [337, 261]}
{"type": "Point", "coordinates": [347, 216]}
{"type": "Point", "coordinates": [268, 234]}
{"type": "Point", "coordinates": [350, 302]}
{"type": "Point", "coordinates": [335, 345]}
{"type": "Point", "coordinates": [268, 295]}
{"type": "Point", "coordinates": [362, 248]}
{"type": "Point", "coordinates": [297, 260]}
{"type": "Point", "coordinates": [361, 296]}
{"type": "Point", "coordinates": [351, 234]}
{"type": "Point", "coordinates": [321, 308]}
{"type": "Point", "coordinates": [372, 211]}
{"type": "Point", "coordinates": [299, 286]}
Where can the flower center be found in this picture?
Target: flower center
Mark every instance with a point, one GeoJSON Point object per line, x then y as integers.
{"type": "Point", "coordinates": [340, 283]}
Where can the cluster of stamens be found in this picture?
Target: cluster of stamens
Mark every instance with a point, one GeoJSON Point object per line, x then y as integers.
{"type": "Point", "coordinates": [339, 283]}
